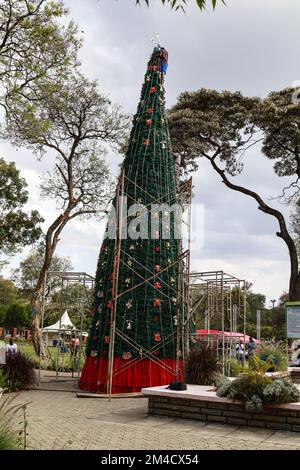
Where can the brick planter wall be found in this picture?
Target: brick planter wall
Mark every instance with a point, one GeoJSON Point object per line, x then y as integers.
{"type": "Point", "coordinates": [283, 417]}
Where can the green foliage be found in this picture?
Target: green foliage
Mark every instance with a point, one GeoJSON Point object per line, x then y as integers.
{"type": "Point", "coordinates": [201, 365]}
{"type": "Point", "coordinates": [3, 380]}
{"type": "Point", "coordinates": [8, 292]}
{"type": "Point", "coordinates": [221, 380]}
{"type": "Point", "coordinates": [17, 315]}
{"type": "Point", "coordinates": [181, 4]}
{"type": "Point", "coordinates": [275, 351]}
{"type": "Point", "coordinates": [36, 49]}
{"type": "Point", "coordinates": [281, 391]}
{"type": "Point", "coordinates": [247, 385]}
{"type": "Point", "coordinates": [9, 438]}
{"type": "Point", "coordinates": [17, 228]}
{"type": "Point", "coordinates": [232, 367]}
{"type": "Point", "coordinates": [254, 405]}
{"type": "Point", "coordinates": [258, 390]}
{"type": "Point", "coordinates": [262, 366]}
{"type": "Point", "coordinates": [19, 371]}
{"type": "Point", "coordinates": [222, 126]}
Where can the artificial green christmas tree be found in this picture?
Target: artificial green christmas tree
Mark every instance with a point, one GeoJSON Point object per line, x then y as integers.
{"type": "Point", "coordinates": [145, 341]}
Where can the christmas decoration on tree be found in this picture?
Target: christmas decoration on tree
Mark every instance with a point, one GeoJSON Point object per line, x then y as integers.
{"type": "Point", "coordinates": [138, 347]}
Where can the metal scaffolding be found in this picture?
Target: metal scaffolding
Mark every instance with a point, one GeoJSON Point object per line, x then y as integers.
{"type": "Point", "coordinates": [182, 293]}
{"type": "Point", "coordinates": [213, 292]}
{"type": "Point", "coordinates": [56, 282]}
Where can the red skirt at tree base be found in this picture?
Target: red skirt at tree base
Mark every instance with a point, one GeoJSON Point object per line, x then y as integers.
{"type": "Point", "coordinates": [128, 376]}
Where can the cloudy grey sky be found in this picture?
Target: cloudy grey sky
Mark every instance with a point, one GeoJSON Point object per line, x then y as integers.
{"type": "Point", "coordinates": [251, 46]}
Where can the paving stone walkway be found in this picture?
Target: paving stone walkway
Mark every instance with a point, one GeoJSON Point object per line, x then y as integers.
{"type": "Point", "coordinates": [60, 420]}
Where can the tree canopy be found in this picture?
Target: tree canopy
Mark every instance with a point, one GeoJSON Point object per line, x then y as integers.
{"type": "Point", "coordinates": [35, 48]}
{"type": "Point", "coordinates": [17, 228]}
{"type": "Point", "coordinates": [223, 126]}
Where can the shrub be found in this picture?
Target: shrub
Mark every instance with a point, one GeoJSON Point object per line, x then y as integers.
{"type": "Point", "coordinates": [9, 439]}
{"type": "Point", "coordinates": [201, 366]}
{"type": "Point", "coordinates": [247, 385]}
{"type": "Point", "coordinates": [253, 405]}
{"type": "Point", "coordinates": [232, 367]}
{"type": "Point", "coordinates": [221, 380]}
{"type": "Point", "coordinates": [3, 379]}
{"type": "Point", "coordinates": [257, 390]}
{"type": "Point", "coordinates": [19, 371]}
{"type": "Point", "coordinates": [281, 391]}
{"type": "Point", "coordinates": [275, 351]}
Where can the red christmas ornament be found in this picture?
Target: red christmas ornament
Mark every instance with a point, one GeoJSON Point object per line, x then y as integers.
{"type": "Point", "coordinates": [110, 304]}
{"type": "Point", "coordinates": [155, 318]}
{"type": "Point", "coordinates": [157, 249]}
{"type": "Point", "coordinates": [156, 303]}
{"type": "Point", "coordinates": [106, 339]}
{"type": "Point", "coordinates": [155, 353]}
{"type": "Point", "coordinates": [149, 111]}
{"type": "Point", "coordinates": [157, 337]}
{"type": "Point", "coordinates": [154, 67]}
{"type": "Point", "coordinates": [157, 268]}
{"type": "Point", "coordinates": [153, 89]}
{"type": "Point", "coordinates": [148, 122]}
{"type": "Point", "coordinates": [157, 285]}
{"type": "Point", "coordinates": [146, 141]}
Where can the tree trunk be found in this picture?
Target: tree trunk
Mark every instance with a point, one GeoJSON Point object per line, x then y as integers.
{"type": "Point", "coordinates": [294, 291]}
{"type": "Point", "coordinates": [37, 297]}
{"type": "Point", "coordinates": [36, 306]}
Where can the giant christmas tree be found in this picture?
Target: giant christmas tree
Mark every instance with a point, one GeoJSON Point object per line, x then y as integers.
{"type": "Point", "coordinates": [147, 309]}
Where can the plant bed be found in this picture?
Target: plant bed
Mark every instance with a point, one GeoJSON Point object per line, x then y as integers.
{"type": "Point", "coordinates": [201, 403]}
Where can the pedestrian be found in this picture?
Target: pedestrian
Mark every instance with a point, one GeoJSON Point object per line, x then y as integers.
{"type": "Point", "coordinates": [251, 348]}
{"type": "Point", "coordinates": [239, 352]}
{"type": "Point", "coordinates": [11, 348]}
{"type": "Point", "coordinates": [76, 345]}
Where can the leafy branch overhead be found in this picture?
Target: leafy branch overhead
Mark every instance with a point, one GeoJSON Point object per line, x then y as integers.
{"type": "Point", "coordinates": [181, 4]}
{"type": "Point", "coordinates": [35, 48]}
{"type": "Point", "coordinates": [17, 228]}
{"type": "Point", "coordinates": [222, 127]}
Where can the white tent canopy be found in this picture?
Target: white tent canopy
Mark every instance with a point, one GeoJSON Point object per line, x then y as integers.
{"type": "Point", "coordinates": [64, 325]}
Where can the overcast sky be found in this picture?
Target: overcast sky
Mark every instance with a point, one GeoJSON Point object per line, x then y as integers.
{"type": "Point", "coordinates": [251, 46]}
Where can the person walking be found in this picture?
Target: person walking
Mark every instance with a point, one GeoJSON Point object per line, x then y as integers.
{"type": "Point", "coordinates": [251, 349]}
{"type": "Point", "coordinates": [11, 348]}
{"type": "Point", "coordinates": [239, 352]}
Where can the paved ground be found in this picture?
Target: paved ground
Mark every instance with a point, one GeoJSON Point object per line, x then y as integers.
{"type": "Point", "coordinates": [60, 420]}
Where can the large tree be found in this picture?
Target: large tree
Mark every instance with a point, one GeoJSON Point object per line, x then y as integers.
{"type": "Point", "coordinates": [73, 128]}
{"type": "Point", "coordinates": [35, 48]}
{"type": "Point", "coordinates": [17, 227]}
{"type": "Point", "coordinates": [222, 127]}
